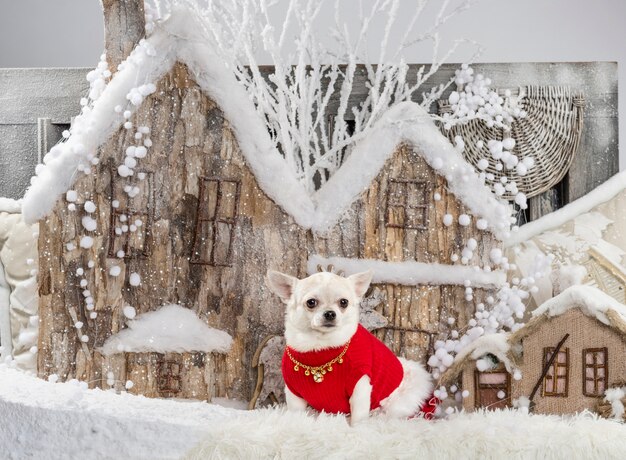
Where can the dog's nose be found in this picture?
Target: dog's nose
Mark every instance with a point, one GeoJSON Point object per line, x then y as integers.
{"type": "Point", "coordinates": [330, 315]}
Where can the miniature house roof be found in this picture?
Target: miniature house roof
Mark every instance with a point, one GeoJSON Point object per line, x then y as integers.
{"type": "Point", "coordinates": [179, 39]}
{"type": "Point", "coordinates": [586, 203]}
{"type": "Point", "coordinates": [590, 300]}
{"type": "Point", "coordinates": [171, 328]}
{"type": "Point", "coordinates": [496, 344]}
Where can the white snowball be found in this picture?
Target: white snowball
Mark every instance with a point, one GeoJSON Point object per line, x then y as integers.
{"type": "Point", "coordinates": [115, 204]}
{"type": "Point", "coordinates": [84, 338]}
{"type": "Point", "coordinates": [86, 242]}
{"type": "Point", "coordinates": [134, 279]}
{"type": "Point", "coordinates": [130, 151]}
{"type": "Point", "coordinates": [496, 256]}
{"type": "Point", "coordinates": [129, 384]}
{"type": "Point", "coordinates": [90, 206]}
{"type": "Point", "coordinates": [53, 378]}
{"type": "Point", "coordinates": [482, 224]}
{"type": "Point", "coordinates": [508, 143]}
{"type": "Point", "coordinates": [115, 270]}
{"type": "Point", "coordinates": [130, 162]}
{"type": "Point", "coordinates": [483, 164]}
{"type": "Point", "coordinates": [123, 170]}
{"type": "Point", "coordinates": [464, 220]}
{"type": "Point", "coordinates": [447, 220]}
{"type": "Point", "coordinates": [141, 151]}
{"type": "Point", "coordinates": [129, 312]}
{"type": "Point", "coordinates": [472, 244]}
{"type": "Point", "coordinates": [128, 125]}
{"type": "Point", "coordinates": [89, 223]}
{"type": "Point", "coordinates": [520, 199]}
{"type": "Point", "coordinates": [501, 394]}
{"type": "Point", "coordinates": [465, 393]}
{"type": "Point", "coordinates": [521, 169]}
{"type": "Point", "coordinates": [71, 196]}
{"type": "Point", "coordinates": [437, 197]}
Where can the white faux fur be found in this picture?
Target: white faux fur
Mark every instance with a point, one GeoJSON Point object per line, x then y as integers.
{"type": "Point", "coordinates": [407, 399]}
{"type": "Point", "coordinates": [508, 434]}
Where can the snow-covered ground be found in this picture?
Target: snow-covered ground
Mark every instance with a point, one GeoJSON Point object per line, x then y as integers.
{"type": "Point", "coordinates": [46, 420]}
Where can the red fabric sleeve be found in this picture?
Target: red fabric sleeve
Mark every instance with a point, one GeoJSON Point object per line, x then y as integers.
{"type": "Point", "coordinates": [360, 364]}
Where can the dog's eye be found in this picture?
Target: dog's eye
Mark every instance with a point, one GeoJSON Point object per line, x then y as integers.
{"type": "Point", "coordinates": [311, 303]}
{"type": "Point", "coordinates": [343, 303]}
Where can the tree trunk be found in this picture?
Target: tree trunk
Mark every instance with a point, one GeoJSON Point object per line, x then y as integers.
{"type": "Point", "coordinates": [124, 26]}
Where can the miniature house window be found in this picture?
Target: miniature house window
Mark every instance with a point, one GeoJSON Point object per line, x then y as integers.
{"type": "Point", "coordinates": [493, 389]}
{"type": "Point", "coordinates": [131, 215]}
{"type": "Point", "coordinates": [217, 216]}
{"type": "Point", "coordinates": [556, 382]}
{"type": "Point", "coordinates": [595, 371]}
{"type": "Point", "coordinates": [407, 205]}
{"type": "Point", "coordinates": [168, 377]}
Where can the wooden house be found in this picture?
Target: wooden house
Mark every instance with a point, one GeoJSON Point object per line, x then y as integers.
{"type": "Point", "coordinates": [587, 328]}
{"type": "Point", "coordinates": [176, 196]}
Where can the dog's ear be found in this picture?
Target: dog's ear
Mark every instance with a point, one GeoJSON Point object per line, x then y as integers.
{"type": "Point", "coordinates": [280, 284]}
{"type": "Point", "coordinates": [361, 281]}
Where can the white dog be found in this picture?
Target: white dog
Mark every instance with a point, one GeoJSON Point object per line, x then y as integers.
{"type": "Point", "coordinates": [333, 364]}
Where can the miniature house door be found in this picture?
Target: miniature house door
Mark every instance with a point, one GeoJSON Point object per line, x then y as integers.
{"type": "Point", "coordinates": [493, 389]}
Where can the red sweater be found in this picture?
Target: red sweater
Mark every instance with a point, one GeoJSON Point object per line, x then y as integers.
{"type": "Point", "coordinates": [366, 355]}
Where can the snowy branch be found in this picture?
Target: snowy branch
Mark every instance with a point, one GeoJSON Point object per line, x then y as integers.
{"type": "Point", "coordinates": [307, 99]}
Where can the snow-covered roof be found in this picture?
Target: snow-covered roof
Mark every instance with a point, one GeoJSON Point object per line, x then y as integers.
{"type": "Point", "coordinates": [171, 328]}
{"type": "Point", "coordinates": [411, 273]}
{"type": "Point", "coordinates": [496, 344]}
{"type": "Point", "coordinates": [586, 203]}
{"type": "Point", "coordinates": [179, 38]}
{"type": "Point", "coordinates": [591, 301]}
{"type": "Point", "coordinates": [408, 123]}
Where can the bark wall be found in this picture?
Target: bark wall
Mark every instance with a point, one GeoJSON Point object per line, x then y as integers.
{"type": "Point", "coordinates": [207, 238]}
{"type": "Point", "coordinates": [400, 218]}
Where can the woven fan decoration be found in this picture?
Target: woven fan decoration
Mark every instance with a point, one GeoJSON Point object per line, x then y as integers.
{"type": "Point", "coordinates": [550, 133]}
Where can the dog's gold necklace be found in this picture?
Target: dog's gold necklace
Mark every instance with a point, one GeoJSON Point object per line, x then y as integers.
{"type": "Point", "coordinates": [318, 372]}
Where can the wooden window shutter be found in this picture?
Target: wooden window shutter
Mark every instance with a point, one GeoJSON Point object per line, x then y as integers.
{"type": "Point", "coordinates": [218, 205]}
{"type": "Point", "coordinates": [556, 381]}
{"type": "Point", "coordinates": [407, 205]}
{"type": "Point", "coordinates": [595, 371]}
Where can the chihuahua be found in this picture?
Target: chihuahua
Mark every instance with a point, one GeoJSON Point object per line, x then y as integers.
{"type": "Point", "coordinates": [335, 365]}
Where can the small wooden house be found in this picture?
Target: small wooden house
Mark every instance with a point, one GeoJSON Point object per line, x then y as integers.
{"type": "Point", "coordinates": [176, 195]}
{"type": "Point", "coordinates": [587, 326]}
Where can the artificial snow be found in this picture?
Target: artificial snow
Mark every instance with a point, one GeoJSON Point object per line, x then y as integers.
{"type": "Point", "coordinates": [11, 206]}
{"type": "Point", "coordinates": [65, 420]}
{"type": "Point", "coordinates": [134, 279]}
{"type": "Point", "coordinates": [410, 273]}
{"type": "Point", "coordinates": [591, 301]}
{"type": "Point", "coordinates": [496, 344]}
{"type": "Point", "coordinates": [171, 328]}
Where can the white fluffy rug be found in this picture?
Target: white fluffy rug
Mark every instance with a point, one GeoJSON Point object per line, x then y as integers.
{"type": "Point", "coordinates": [493, 435]}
